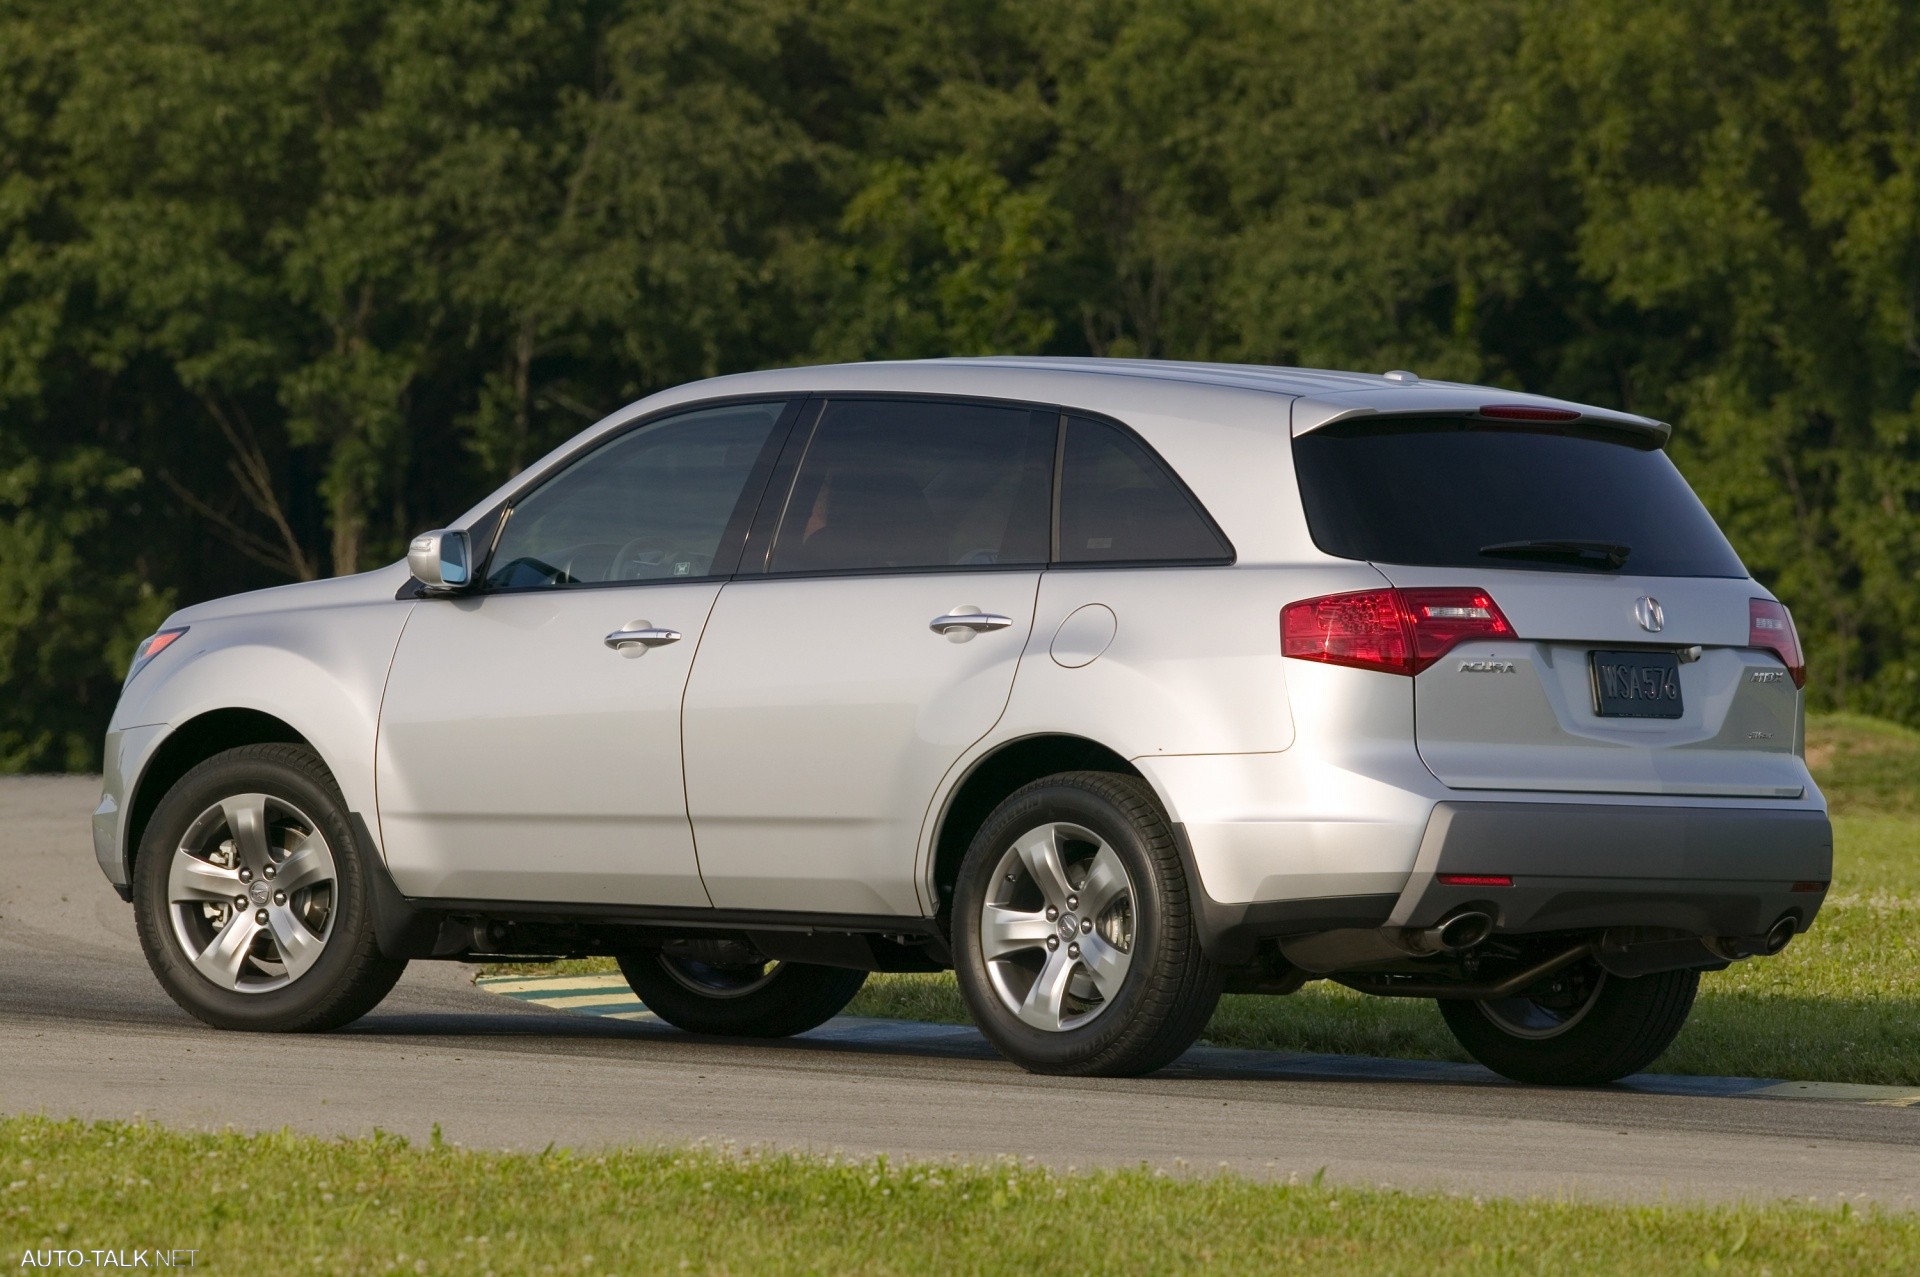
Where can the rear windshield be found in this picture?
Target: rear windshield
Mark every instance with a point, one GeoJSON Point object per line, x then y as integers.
{"type": "Point", "coordinates": [1452, 493]}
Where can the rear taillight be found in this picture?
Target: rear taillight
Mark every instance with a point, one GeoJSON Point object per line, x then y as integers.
{"type": "Point", "coordinates": [1395, 631]}
{"type": "Point", "coordinates": [1770, 628]}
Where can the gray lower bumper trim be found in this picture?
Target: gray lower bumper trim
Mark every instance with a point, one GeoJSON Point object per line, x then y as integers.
{"type": "Point", "coordinates": [1705, 870]}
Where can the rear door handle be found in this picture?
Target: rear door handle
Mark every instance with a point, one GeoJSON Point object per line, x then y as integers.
{"type": "Point", "coordinates": [977, 622]}
{"type": "Point", "coordinates": [642, 638]}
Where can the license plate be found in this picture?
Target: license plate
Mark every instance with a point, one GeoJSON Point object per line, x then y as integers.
{"type": "Point", "coordinates": [1636, 684]}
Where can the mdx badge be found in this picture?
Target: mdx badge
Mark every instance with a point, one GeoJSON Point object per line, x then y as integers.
{"type": "Point", "coordinates": [1647, 611]}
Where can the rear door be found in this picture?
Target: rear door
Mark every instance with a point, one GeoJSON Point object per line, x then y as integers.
{"type": "Point", "coordinates": [831, 694]}
{"type": "Point", "coordinates": [1633, 666]}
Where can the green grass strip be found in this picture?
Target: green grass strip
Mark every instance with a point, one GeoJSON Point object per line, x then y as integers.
{"type": "Point", "coordinates": [292, 1204]}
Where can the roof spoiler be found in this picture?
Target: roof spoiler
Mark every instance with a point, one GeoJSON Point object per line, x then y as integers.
{"type": "Point", "coordinates": [1312, 413]}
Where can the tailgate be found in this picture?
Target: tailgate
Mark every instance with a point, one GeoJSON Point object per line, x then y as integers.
{"type": "Point", "coordinates": [1524, 713]}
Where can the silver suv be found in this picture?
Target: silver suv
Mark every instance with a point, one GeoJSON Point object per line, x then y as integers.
{"type": "Point", "coordinates": [1110, 684]}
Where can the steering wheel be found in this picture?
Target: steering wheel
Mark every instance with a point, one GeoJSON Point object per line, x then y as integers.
{"type": "Point", "coordinates": [639, 561]}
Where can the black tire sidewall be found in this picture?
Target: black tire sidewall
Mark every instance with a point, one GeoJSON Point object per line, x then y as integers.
{"type": "Point", "coordinates": [800, 996]}
{"type": "Point", "coordinates": [1631, 1022]}
{"type": "Point", "coordinates": [295, 775]}
{"type": "Point", "coordinates": [1069, 1050]}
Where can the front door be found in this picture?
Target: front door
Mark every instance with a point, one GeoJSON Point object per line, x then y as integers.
{"type": "Point", "coordinates": [830, 696]}
{"type": "Point", "coordinates": [530, 737]}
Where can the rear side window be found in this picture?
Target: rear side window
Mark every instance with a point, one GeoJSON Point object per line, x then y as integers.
{"type": "Point", "coordinates": [1119, 504]}
{"type": "Point", "coordinates": [899, 484]}
{"type": "Point", "coordinates": [1458, 494]}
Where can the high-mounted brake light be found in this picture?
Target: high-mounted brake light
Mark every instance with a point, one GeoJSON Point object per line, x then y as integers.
{"type": "Point", "coordinates": [1527, 412]}
{"type": "Point", "coordinates": [1394, 631]}
{"type": "Point", "coordinates": [150, 648]}
{"type": "Point", "coordinates": [1770, 628]}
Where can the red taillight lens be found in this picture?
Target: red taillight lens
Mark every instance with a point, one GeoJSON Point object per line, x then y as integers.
{"type": "Point", "coordinates": [1445, 618]}
{"type": "Point", "coordinates": [1395, 631]}
{"type": "Point", "coordinates": [1365, 630]}
{"type": "Point", "coordinates": [1770, 628]}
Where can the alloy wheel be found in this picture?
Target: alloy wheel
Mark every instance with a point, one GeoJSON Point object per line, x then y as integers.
{"type": "Point", "coordinates": [1553, 1011]}
{"type": "Point", "coordinates": [252, 893]}
{"type": "Point", "coordinates": [1056, 928]}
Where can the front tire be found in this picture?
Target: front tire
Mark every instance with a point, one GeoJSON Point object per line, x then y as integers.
{"type": "Point", "coordinates": [1586, 1028]}
{"type": "Point", "coordinates": [718, 988]}
{"type": "Point", "coordinates": [1074, 936]}
{"type": "Point", "coordinates": [251, 898]}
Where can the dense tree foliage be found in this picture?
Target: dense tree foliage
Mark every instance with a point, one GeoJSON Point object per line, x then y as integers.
{"type": "Point", "coordinates": [281, 284]}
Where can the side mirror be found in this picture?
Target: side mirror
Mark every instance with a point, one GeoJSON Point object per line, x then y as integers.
{"type": "Point", "coordinates": [439, 559]}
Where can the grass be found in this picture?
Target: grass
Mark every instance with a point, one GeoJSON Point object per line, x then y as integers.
{"type": "Point", "coordinates": [1842, 1004]}
{"type": "Point", "coordinates": [285, 1203]}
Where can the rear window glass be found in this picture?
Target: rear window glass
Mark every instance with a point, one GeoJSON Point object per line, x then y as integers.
{"type": "Point", "coordinates": [1118, 504]}
{"type": "Point", "coordinates": [1448, 493]}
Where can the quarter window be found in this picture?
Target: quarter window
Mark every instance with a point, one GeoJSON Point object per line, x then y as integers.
{"type": "Point", "coordinates": [1119, 504]}
{"type": "Point", "coordinates": [900, 484]}
{"type": "Point", "coordinates": [654, 504]}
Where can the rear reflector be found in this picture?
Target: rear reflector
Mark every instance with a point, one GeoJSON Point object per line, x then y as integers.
{"type": "Point", "coordinates": [1527, 412]}
{"type": "Point", "coordinates": [1808, 886]}
{"type": "Point", "coordinates": [1770, 628]}
{"type": "Point", "coordinates": [1474, 880]}
{"type": "Point", "coordinates": [1393, 631]}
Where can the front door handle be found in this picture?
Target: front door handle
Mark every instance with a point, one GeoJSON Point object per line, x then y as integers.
{"type": "Point", "coordinates": [649, 637]}
{"type": "Point", "coordinates": [958, 622]}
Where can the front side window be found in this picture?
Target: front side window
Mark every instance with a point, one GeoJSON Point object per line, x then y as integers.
{"type": "Point", "coordinates": [654, 504]}
{"type": "Point", "coordinates": [1120, 504]}
{"type": "Point", "coordinates": [901, 484]}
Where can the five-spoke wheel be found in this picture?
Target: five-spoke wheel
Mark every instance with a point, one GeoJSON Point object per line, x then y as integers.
{"type": "Point", "coordinates": [251, 892]}
{"type": "Point", "coordinates": [1056, 930]}
{"type": "Point", "coordinates": [252, 898]}
{"type": "Point", "coordinates": [1074, 939]}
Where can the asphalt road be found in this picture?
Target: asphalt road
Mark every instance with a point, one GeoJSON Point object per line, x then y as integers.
{"type": "Point", "coordinates": [85, 1031]}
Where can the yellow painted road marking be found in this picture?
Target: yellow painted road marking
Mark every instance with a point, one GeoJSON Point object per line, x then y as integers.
{"type": "Point", "coordinates": [582, 1000]}
{"type": "Point", "coordinates": [556, 983]}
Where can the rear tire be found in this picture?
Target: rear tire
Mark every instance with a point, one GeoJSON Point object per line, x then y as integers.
{"type": "Point", "coordinates": [743, 1000]}
{"type": "Point", "coordinates": [1074, 936]}
{"type": "Point", "coordinates": [1584, 1036]}
{"type": "Point", "coordinates": [249, 822]}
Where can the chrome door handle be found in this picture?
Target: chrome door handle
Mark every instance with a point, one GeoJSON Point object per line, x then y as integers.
{"type": "Point", "coordinates": [642, 638]}
{"type": "Point", "coordinates": [978, 622]}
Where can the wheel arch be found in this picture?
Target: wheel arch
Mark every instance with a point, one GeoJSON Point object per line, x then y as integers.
{"type": "Point", "coordinates": [189, 745]}
{"type": "Point", "coordinates": [995, 775]}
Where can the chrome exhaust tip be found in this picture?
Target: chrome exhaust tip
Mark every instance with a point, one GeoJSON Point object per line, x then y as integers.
{"type": "Point", "coordinates": [1779, 935]}
{"type": "Point", "coordinates": [1454, 934]}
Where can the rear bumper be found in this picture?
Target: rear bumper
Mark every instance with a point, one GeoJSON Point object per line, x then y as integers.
{"type": "Point", "coordinates": [1702, 871]}
{"type": "Point", "coordinates": [1706, 871]}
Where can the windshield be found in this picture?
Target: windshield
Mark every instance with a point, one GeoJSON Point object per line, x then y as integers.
{"type": "Point", "coordinates": [1446, 492]}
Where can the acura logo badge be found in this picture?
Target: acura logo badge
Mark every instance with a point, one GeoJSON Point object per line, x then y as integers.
{"type": "Point", "coordinates": [1647, 611]}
